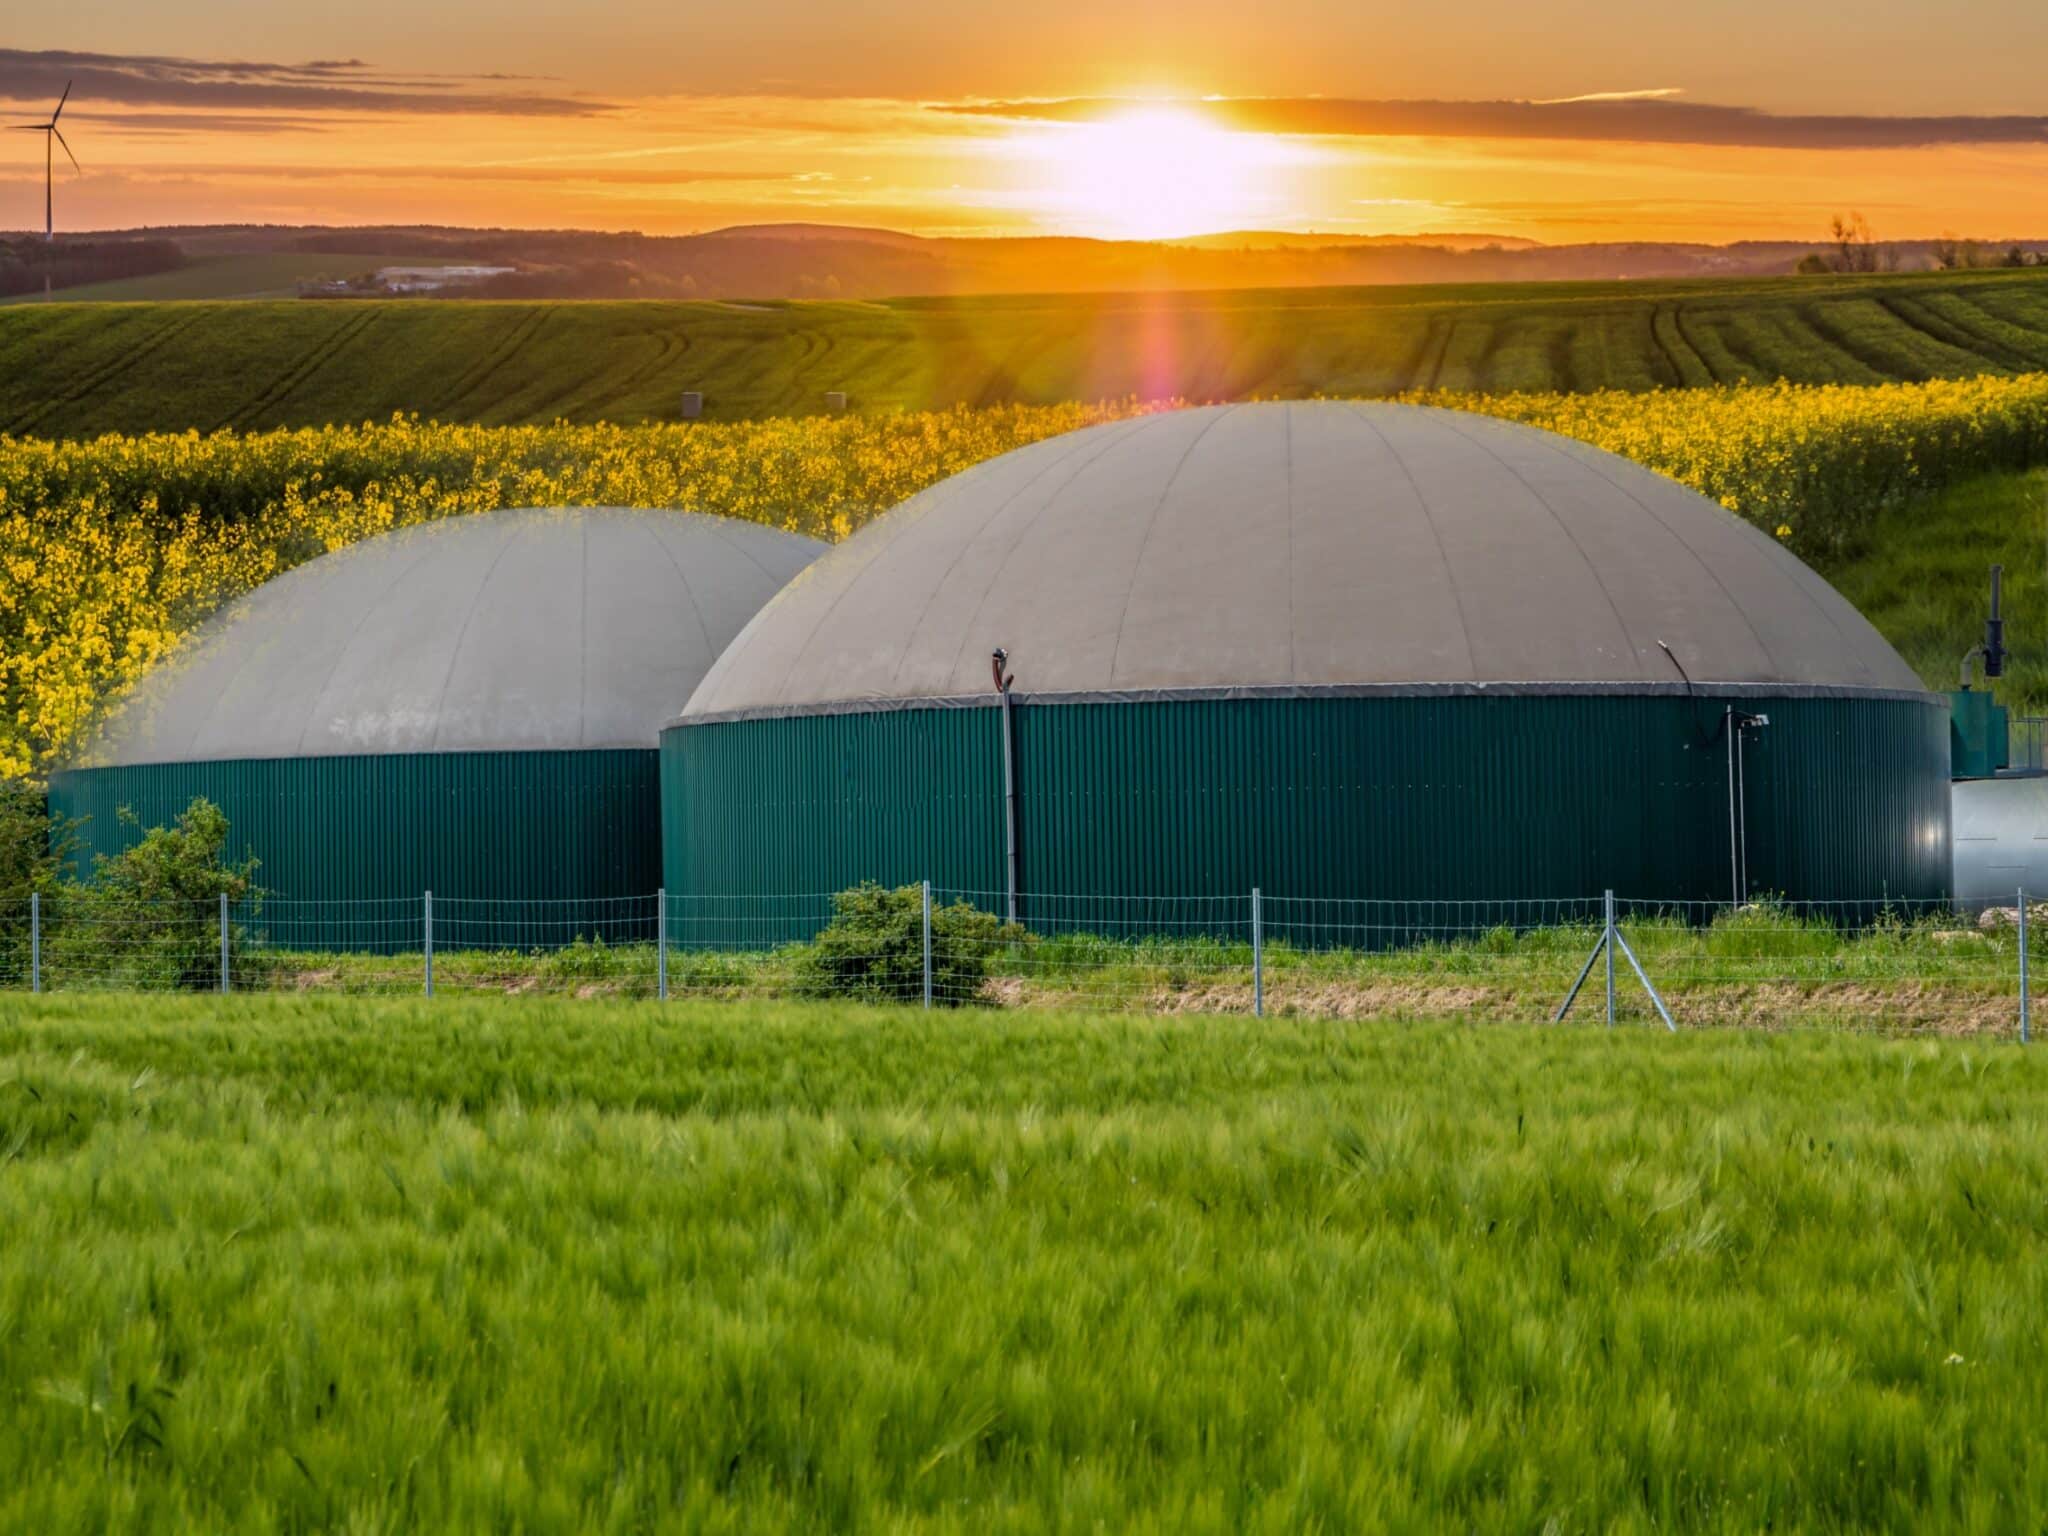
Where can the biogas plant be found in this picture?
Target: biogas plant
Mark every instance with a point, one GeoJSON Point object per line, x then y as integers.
{"type": "Point", "coordinates": [1341, 651]}
{"type": "Point", "coordinates": [468, 706]}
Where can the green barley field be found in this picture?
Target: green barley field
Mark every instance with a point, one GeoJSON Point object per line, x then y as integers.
{"type": "Point", "coordinates": [311, 1263]}
{"type": "Point", "coordinates": [77, 369]}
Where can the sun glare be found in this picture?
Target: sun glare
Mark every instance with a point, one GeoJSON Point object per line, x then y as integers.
{"type": "Point", "coordinates": [1153, 173]}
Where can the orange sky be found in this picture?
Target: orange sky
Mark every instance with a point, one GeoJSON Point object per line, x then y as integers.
{"type": "Point", "coordinates": [1354, 118]}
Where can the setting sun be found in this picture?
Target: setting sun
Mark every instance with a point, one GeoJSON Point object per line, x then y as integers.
{"type": "Point", "coordinates": [1153, 172]}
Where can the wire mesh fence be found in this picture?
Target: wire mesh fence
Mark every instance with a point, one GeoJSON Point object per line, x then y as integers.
{"type": "Point", "coordinates": [1874, 965]}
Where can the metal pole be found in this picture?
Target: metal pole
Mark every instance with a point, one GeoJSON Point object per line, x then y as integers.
{"type": "Point", "coordinates": [1565, 1007]}
{"type": "Point", "coordinates": [1608, 944]}
{"type": "Point", "coordinates": [1644, 977]}
{"type": "Point", "coordinates": [927, 943]}
{"type": "Point", "coordinates": [1010, 802]}
{"type": "Point", "coordinates": [224, 941]}
{"type": "Point", "coordinates": [661, 943]}
{"type": "Point", "coordinates": [1741, 815]}
{"type": "Point", "coordinates": [1258, 957]}
{"type": "Point", "coordinates": [427, 932]}
{"type": "Point", "coordinates": [35, 941]}
{"type": "Point", "coordinates": [2026, 1003]}
{"type": "Point", "coordinates": [1734, 864]}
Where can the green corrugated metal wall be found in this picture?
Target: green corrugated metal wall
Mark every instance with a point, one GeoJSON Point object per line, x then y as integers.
{"type": "Point", "coordinates": [1529, 796]}
{"type": "Point", "coordinates": [576, 833]}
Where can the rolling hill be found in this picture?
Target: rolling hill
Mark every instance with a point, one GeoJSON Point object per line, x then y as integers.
{"type": "Point", "coordinates": [79, 369]}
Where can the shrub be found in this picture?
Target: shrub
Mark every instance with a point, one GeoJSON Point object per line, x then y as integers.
{"type": "Point", "coordinates": [873, 949]}
{"type": "Point", "coordinates": [150, 916]}
{"type": "Point", "coordinates": [31, 849]}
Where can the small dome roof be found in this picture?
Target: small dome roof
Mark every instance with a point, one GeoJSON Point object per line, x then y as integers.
{"type": "Point", "coordinates": [1297, 547]}
{"type": "Point", "coordinates": [536, 629]}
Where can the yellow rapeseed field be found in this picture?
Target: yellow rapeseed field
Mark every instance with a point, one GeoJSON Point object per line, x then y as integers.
{"type": "Point", "coordinates": [112, 549]}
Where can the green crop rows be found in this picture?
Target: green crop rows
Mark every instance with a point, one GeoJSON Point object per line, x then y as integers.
{"type": "Point", "coordinates": [315, 1263]}
{"type": "Point", "coordinates": [77, 369]}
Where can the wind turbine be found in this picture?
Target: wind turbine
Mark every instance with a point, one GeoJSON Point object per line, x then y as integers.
{"type": "Point", "coordinates": [50, 132]}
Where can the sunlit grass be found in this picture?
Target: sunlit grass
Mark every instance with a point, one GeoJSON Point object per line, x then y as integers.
{"type": "Point", "coordinates": [1763, 965]}
{"type": "Point", "coordinates": [567, 1266]}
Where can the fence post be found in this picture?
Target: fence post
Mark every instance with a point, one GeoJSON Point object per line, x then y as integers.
{"type": "Point", "coordinates": [224, 943]}
{"type": "Point", "coordinates": [1610, 959]}
{"type": "Point", "coordinates": [1258, 956]}
{"type": "Point", "coordinates": [35, 941]}
{"type": "Point", "coordinates": [661, 943]}
{"type": "Point", "coordinates": [927, 943]}
{"type": "Point", "coordinates": [427, 932]}
{"type": "Point", "coordinates": [2026, 1003]}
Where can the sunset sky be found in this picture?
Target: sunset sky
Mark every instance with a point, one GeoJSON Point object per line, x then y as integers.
{"type": "Point", "coordinates": [1576, 120]}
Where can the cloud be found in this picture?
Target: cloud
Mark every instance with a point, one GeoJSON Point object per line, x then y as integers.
{"type": "Point", "coordinates": [172, 124]}
{"type": "Point", "coordinates": [1649, 93]}
{"type": "Point", "coordinates": [545, 175]}
{"type": "Point", "coordinates": [320, 85]}
{"type": "Point", "coordinates": [1619, 117]}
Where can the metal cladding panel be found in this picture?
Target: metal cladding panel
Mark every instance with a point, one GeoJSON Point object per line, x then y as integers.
{"type": "Point", "coordinates": [2001, 832]}
{"type": "Point", "coordinates": [790, 807]}
{"type": "Point", "coordinates": [1521, 797]}
{"type": "Point", "coordinates": [576, 831]}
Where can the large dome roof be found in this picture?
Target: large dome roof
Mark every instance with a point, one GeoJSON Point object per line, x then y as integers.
{"type": "Point", "coordinates": [1297, 547]}
{"type": "Point", "coordinates": [532, 629]}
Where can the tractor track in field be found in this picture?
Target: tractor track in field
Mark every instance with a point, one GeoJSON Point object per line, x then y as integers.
{"type": "Point", "coordinates": [1668, 351]}
{"type": "Point", "coordinates": [1684, 334]}
{"type": "Point", "coordinates": [1980, 301]}
{"type": "Point", "coordinates": [108, 371]}
{"type": "Point", "coordinates": [809, 350]}
{"type": "Point", "coordinates": [310, 362]}
{"type": "Point", "coordinates": [1951, 332]}
{"type": "Point", "coordinates": [2031, 342]}
{"type": "Point", "coordinates": [507, 347]}
{"type": "Point", "coordinates": [1429, 356]}
{"type": "Point", "coordinates": [1838, 337]}
{"type": "Point", "coordinates": [671, 347]}
{"type": "Point", "coordinates": [1564, 367]}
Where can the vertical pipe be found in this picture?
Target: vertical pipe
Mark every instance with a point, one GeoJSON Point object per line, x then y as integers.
{"type": "Point", "coordinates": [2026, 1003]}
{"type": "Point", "coordinates": [1013, 883]}
{"type": "Point", "coordinates": [427, 934]}
{"type": "Point", "coordinates": [35, 941]}
{"type": "Point", "coordinates": [1741, 818]}
{"type": "Point", "coordinates": [1734, 867]}
{"type": "Point", "coordinates": [927, 943]}
{"type": "Point", "coordinates": [224, 942]}
{"type": "Point", "coordinates": [1607, 943]}
{"type": "Point", "coordinates": [661, 943]}
{"type": "Point", "coordinates": [1994, 629]}
{"type": "Point", "coordinates": [1258, 956]}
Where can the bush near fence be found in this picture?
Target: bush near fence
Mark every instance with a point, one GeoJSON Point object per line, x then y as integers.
{"type": "Point", "coordinates": [1758, 964]}
{"type": "Point", "coordinates": [151, 917]}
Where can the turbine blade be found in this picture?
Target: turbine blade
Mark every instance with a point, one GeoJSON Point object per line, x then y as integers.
{"type": "Point", "coordinates": [67, 150]}
{"type": "Point", "coordinates": [60, 102]}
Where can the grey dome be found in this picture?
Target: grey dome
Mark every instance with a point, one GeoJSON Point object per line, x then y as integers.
{"type": "Point", "coordinates": [1296, 547]}
{"type": "Point", "coordinates": [533, 629]}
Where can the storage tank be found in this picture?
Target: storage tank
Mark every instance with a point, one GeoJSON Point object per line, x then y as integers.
{"type": "Point", "coordinates": [2001, 840]}
{"type": "Point", "coordinates": [470, 706]}
{"type": "Point", "coordinates": [1331, 650]}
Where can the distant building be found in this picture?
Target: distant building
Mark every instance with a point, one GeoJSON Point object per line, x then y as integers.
{"type": "Point", "coordinates": [429, 279]}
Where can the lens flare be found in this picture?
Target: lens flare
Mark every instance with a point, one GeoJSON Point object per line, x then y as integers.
{"type": "Point", "coordinates": [1153, 173]}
